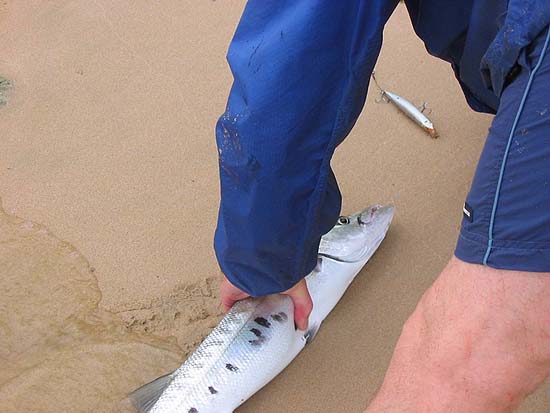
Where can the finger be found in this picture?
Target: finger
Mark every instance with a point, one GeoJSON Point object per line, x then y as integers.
{"type": "Point", "coordinates": [227, 303]}
{"type": "Point", "coordinates": [302, 309]}
{"type": "Point", "coordinates": [227, 299]}
{"type": "Point", "coordinates": [302, 304]}
{"type": "Point", "coordinates": [229, 295]}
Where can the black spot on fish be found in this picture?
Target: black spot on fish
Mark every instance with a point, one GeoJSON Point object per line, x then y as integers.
{"type": "Point", "coordinates": [212, 390]}
{"type": "Point", "coordinates": [260, 340]}
{"type": "Point", "coordinates": [263, 322]}
{"type": "Point", "coordinates": [281, 317]}
{"type": "Point", "coordinates": [193, 410]}
{"type": "Point", "coordinates": [256, 332]}
{"type": "Point", "coordinates": [231, 367]}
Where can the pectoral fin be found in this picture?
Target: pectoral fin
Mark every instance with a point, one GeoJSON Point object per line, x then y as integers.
{"type": "Point", "coordinates": [312, 332]}
{"type": "Point", "coordinates": [145, 397]}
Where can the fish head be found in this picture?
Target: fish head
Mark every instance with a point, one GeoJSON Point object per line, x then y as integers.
{"type": "Point", "coordinates": [350, 238]}
{"type": "Point", "coordinates": [342, 254]}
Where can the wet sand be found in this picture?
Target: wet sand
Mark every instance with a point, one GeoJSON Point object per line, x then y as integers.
{"type": "Point", "coordinates": [59, 351]}
{"type": "Point", "coordinates": [106, 140]}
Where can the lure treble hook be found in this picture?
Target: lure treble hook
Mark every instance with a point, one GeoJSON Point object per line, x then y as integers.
{"type": "Point", "coordinates": [383, 98]}
{"type": "Point", "coordinates": [425, 109]}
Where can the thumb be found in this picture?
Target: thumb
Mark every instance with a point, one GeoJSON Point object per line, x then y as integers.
{"type": "Point", "coordinates": [302, 304]}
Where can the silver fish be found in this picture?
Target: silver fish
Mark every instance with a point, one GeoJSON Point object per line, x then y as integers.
{"type": "Point", "coordinates": [257, 338]}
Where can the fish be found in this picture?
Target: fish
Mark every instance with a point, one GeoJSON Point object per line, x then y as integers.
{"type": "Point", "coordinates": [408, 109]}
{"type": "Point", "coordinates": [257, 338]}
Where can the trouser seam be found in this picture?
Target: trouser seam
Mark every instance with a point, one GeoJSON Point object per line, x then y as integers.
{"type": "Point", "coordinates": [508, 144]}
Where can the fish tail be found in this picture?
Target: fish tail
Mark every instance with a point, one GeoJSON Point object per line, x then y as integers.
{"type": "Point", "coordinates": [145, 397]}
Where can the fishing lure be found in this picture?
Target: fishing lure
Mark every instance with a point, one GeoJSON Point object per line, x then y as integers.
{"type": "Point", "coordinates": [414, 113]}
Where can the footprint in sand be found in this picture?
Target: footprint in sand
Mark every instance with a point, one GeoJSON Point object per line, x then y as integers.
{"type": "Point", "coordinates": [188, 313]}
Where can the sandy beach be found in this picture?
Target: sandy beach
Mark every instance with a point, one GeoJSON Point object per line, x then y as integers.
{"type": "Point", "coordinates": [109, 193]}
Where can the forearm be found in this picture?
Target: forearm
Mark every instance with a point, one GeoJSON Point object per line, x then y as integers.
{"type": "Point", "coordinates": [479, 341]}
{"type": "Point", "coordinates": [301, 77]}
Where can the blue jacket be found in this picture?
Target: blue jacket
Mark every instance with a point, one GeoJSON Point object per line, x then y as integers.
{"type": "Point", "coordinates": [301, 71]}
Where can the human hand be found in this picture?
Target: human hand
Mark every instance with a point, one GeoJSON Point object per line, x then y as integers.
{"type": "Point", "coordinates": [299, 294]}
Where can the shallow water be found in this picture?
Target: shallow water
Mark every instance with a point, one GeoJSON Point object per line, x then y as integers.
{"type": "Point", "coordinates": [59, 351]}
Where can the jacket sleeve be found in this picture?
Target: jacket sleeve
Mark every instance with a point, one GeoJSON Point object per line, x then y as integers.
{"type": "Point", "coordinates": [301, 70]}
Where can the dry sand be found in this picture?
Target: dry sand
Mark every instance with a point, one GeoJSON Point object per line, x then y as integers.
{"type": "Point", "coordinates": [106, 140]}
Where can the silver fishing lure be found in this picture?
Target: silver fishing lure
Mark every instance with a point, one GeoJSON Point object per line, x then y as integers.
{"type": "Point", "coordinates": [257, 339]}
{"type": "Point", "coordinates": [414, 113]}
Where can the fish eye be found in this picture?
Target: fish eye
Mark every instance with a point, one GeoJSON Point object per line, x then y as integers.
{"type": "Point", "coordinates": [343, 220]}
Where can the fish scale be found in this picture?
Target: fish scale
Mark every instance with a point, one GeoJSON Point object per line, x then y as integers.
{"type": "Point", "coordinates": [257, 338]}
